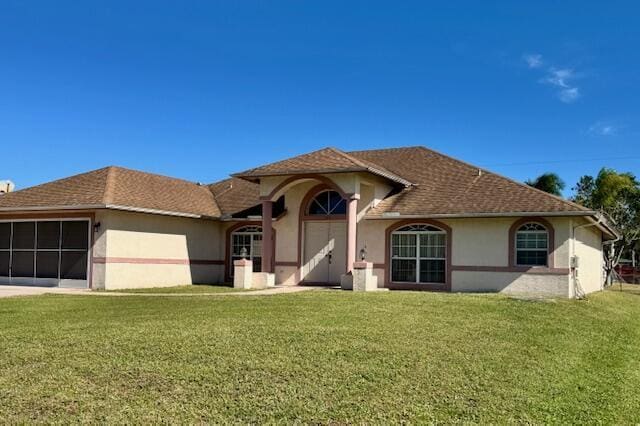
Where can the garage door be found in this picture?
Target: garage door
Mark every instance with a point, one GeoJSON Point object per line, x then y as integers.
{"type": "Point", "coordinates": [44, 252]}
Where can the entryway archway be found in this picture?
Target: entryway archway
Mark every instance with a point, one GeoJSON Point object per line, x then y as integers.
{"type": "Point", "coordinates": [325, 236]}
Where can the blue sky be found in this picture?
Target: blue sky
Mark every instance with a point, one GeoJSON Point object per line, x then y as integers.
{"type": "Point", "coordinates": [199, 90]}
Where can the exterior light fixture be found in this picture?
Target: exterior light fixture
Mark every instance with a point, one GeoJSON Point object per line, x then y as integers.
{"type": "Point", "coordinates": [363, 252]}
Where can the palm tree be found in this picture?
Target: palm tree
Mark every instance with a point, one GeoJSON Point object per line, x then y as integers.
{"type": "Point", "coordinates": [548, 182]}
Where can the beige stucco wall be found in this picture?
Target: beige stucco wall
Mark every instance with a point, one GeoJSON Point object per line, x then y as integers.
{"type": "Point", "coordinates": [135, 245]}
{"type": "Point", "coordinates": [482, 242]}
{"type": "Point", "coordinates": [349, 183]}
{"type": "Point", "coordinates": [485, 241]}
{"type": "Point", "coordinates": [370, 188]}
{"type": "Point", "coordinates": [510, 283]}
{"type": "Point", "coordinates": [588, 248]}
{"type": "Point", "coordinates": [287, 227]}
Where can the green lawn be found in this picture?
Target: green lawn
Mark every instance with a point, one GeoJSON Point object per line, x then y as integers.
{"type": "Point", "coordinates": [320, 357]}
{"type": "Point", "coordinates": [198, 288]}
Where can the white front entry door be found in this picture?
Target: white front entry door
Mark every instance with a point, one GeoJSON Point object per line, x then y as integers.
{"type": "Point", "coordinates": [324, 252]}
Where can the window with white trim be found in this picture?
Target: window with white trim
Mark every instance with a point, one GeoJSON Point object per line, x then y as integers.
{"type": "Point", "coordinates": [327, 203]}
{"type": "Point", "coordinates": [250, 239]}
{"type": "Point", "coordinates": [532, 245]}
{"type": "Point", "coordinates": [418, 254]}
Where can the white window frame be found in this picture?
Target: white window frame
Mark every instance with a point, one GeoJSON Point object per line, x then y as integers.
{"type": "Point", "coordinates": [250, 252]}
{"type": "Point", "coordinates": [417, 257]}
{"type": "Point", "coordinates": [519, 231]}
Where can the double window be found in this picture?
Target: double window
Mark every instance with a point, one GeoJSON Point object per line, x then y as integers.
{"type": "Point", "coordinates": [418, 254]}
{"type": "Point", "coordinates": [247, 241]}
{"type": "Point", "coordinates": [532, 245]}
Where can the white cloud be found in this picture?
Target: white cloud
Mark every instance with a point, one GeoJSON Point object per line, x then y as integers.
{"type": "Point", "coordinates": [603, 128]}
{"type": "Point", "coordinates": [560, 78]}
{"type": "Point", "coordinates": [533, 60]}
{"type": "Point", "coordinates": [569, 95]}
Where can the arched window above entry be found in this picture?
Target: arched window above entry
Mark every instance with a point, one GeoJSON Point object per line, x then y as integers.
{"type": "Point", "coordinates": [532, 245]}
{"type": "Point", "coordinates": [327, 203]}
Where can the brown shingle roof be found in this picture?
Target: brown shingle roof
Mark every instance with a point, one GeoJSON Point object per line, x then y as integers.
{"type": "Point", "coordinates": [446, 186]}
{"type": "Point", "coordinates": [117, 187]}
{"type": "Point", "coordinates": [86, 189]}
{"type": "Point", "coordinates": [440, 185]}
{"type": "Point", "coordinates": [235, 195]}
{"type": "Point", "coordinates": [326, 160]}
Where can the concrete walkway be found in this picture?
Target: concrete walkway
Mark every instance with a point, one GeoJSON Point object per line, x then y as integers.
{"type": "Point", "coordinates": [15, 291]}
{"type": "Point", "coordinates": [266, 292]}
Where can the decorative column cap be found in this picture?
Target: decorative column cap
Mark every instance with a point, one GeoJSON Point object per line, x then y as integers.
{"type": "Point", "coordinates": [242, 262]}
{"type": "Point", "coordinates": [362, 265]}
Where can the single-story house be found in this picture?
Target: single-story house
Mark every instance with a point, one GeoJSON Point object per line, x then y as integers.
{"type": "Point", "coordinates": [424, 220]}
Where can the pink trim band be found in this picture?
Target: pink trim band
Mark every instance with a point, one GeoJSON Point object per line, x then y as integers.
{"type": "Point", "coordinates": [152, 261]}
{"type": "Point", "coordinates": [278, 263]}
{"type": "Point", "coordinates": [521, 269]}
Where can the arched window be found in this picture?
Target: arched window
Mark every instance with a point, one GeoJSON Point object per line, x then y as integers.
{"type": "Point", "coordinates": [418, 254]}
{"type": "Point", "coordinates": [250, 239]}
{"type": "Point", "coordinates": [327, 203]}
{"type": "Point", "coordinates": [532, 245]}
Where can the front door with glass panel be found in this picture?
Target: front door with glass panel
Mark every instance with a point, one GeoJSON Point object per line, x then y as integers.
{"type": "Point", "coordinates": [45, 252]}
{"type": "Point", "coordinates": [325, 252]}
{"type": "Point", "coordinates": [247, 242]}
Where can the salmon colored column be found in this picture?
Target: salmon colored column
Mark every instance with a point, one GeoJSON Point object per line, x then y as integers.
{"type": "Point", "coordinates": [267, 236]}
{"type": "Point", "coordinates": [352, 223]}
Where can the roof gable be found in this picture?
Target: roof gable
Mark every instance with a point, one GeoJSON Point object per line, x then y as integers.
{"type": "Point", "coordinates": [326, 160]}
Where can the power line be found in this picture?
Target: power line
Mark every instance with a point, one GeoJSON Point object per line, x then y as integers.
{"type": "Point", "coordinates": [584, 160]}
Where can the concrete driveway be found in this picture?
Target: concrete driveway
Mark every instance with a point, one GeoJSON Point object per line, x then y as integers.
{"type": "Point", "coordinates": [13, 290]}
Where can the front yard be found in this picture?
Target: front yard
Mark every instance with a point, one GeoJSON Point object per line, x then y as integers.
{"type": "Point", "coordinates": [320, 357]}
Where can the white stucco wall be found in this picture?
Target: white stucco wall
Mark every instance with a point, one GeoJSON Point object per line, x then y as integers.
{"type": "Point", "coordinates": [588, 248]}
{"type": "Point", "coordinates": [135, 250]}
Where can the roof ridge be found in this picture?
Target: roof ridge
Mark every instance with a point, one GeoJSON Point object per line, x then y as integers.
{"type": "Point", "coordinates": [153, 174]}
{"type": "Point", "coordinates": [107, 193]}
{"type": "Point", "coordinates": [348, 157]}
{"type": "Point", "coordinates": [385, 149]}
{"type": "Point", "coordinates": [563, 200]}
